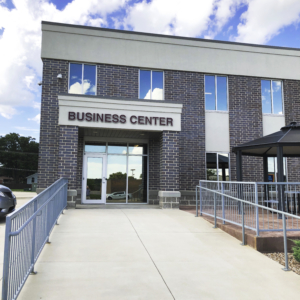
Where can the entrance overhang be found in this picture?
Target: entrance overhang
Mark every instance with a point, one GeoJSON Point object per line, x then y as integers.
{"type": "Point", "coordinates": [116, 113]}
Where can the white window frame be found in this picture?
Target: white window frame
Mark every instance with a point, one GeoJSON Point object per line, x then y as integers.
{"type": "Point", "coordinates": [229, 164]}
{"type": "Point", "coordinates": [216, 93]}
{"type": "Point", "coordinates": [82, 72]}
{"type": "Point", "coordinates": [151, 84]}
{"type": "Point", "coordinates": [272, 106]}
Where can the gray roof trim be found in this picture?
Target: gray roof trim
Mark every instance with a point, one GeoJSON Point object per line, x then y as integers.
{"type": "Point", "coordinates": [120, 98]}
{"type": "Point", "coordinates": [168, 36]}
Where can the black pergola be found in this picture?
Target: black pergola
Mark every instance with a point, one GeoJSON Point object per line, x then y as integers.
{"type": "Point", "coordinates": [283, 143]}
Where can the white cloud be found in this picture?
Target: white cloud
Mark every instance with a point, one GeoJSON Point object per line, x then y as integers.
{"type": "Point", "coordinates": [224, 10]}
{"type": "Point", "coordinates": [7, 111]}
{"type": "Point", "coordinates": [157, 94]}
{"type": "Point", "coordinates": [265, 19]}
{"type": "Point", "coordinates": [20, 44]}
{"type": "Point", "coordinates": [175, 17]}
{"type": "Point", "coordinates": [27, 129]}
{"type": "Point", "coordinates": [37, 118]}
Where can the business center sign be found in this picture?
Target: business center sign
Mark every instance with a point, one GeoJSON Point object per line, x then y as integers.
{"type": "Point", "coordinates": [115, 118]}
{"type": "Point", "coordinates": [113, 114]}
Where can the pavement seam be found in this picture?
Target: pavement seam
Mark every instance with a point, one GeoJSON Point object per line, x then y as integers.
{"type": "Point", "coordinates": [149, 255]}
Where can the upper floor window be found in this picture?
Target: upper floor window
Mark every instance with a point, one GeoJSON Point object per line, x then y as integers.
{"type": "Point", "coordinates": [215, 92]}
{"type": "Point", "coordinates": [271, 94]}
{"type": "Point", "coordinates": [151, 85]}
{"type": "Point", "coordinates": [82, 79]}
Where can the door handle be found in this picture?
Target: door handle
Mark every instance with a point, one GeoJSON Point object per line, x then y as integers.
{"type": "Point", "coordinates": [82, 178]}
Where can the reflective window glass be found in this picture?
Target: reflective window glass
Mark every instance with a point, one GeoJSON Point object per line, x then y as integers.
{"type": "Point", "coordinates": [222, 93]}
{"type": "Point", "coordinates": [211, 166]}
{"type": "Point", "coordinates": [216, 92]}
{"type": "Point", "coordinates": [223, 168]}
{"type": "Point", "coordinates": [94, 178]}
{"type": "Point", "coordinates": [75, 79]}
{"type": "Point", "coordinates": [145, 84]}
{"type": "Point", "coordinates": [151, 85]}
{"type": "Point", "coordinates": [82, 79]}
{"type": "Point", "coordinates": [272, 169]}
{"type": "Point", "coordinates": [95, 147]}
{"type": "Point", "coordinates": [89, 80]}
{"type": "Point", "coordinates": [117, 148]}
{"type": "Point", "coordinates": [137, 148]}
{"type": "Point", "coordinates": [210, 93]}
{"type": "Point", "coordinates": [157, 85]}
{"type": "Point", "coordinates": [266, 96]}
{"type": "Point", "coordinates": [271, 94]}
{"type": "Point", "coordinates": [116, 179]}
{"type": "Point", "coordinates": [137, 179]}
{"type": "Point", "coordinates": [277, 97]}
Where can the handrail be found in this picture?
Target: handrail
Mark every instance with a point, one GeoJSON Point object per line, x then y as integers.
{"type": "Point", "coordinates": [26, 235]}
{"type": "Point", "coordinates": [281, 213]}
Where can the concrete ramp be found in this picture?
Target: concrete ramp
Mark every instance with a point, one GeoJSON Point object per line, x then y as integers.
{"type": "Point", "coordinates": [151, 254]}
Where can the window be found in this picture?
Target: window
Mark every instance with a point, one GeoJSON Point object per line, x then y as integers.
{"type": "Point", "coordinates": [32, 179]}
{"type": "Point", "coordinates": [272, 169]}
{"type": "Point", "coordinates": [151, 85]}
{"type": "Point", "coordinates": [217, 166]}
{"type": "Point", "coordinates": [215, 92]}
{"type": "Point", "coordinates": [82, 79]}
{"type": "Point", "coordinates": [271, 94]}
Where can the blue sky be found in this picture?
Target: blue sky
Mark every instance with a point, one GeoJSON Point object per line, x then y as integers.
{"type": "Point", "coordinates": [268, 22]}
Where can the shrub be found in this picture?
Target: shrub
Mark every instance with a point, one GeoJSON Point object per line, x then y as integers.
{"type": "Point", "coordinates": [296, 250]}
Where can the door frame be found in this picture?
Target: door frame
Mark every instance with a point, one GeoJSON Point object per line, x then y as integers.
{"type": "Point", "coordinates": [84, 178]}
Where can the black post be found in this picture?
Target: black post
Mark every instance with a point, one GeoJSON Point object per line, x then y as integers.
{"type": "Point", "coordinates": [239, 176]}
{"type": "Point", "coordinates": [223, 172]}
{"type": "Point", "coordinates": [239, 169]}
{"type": "Point", "coordinates": [281, 204]}
{"type": "Point", "coordinates": [266, 187]}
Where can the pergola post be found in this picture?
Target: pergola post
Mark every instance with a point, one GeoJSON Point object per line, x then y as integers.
{"type": "Point", "coordinates": [266, 179]}
{"type": "Point", "coordinates": [281, 204]}
{"type": "Point", "coordinates": [239, 168]}
{"type": "Point", "coordinates": [239, 176]}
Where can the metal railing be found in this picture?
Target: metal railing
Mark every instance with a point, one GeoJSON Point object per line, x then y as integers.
{"type": "Point", "coordinates": [244, 204]}
{"type": "Point", "coordinates": [282, 196]}
{"type": "Point", "coordinates": [27, 231]}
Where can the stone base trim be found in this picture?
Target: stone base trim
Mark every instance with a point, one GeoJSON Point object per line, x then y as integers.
{"type": "Point", "coordinates": [169, 199]}
{"type": "Point", "coordinates": [72, 195]}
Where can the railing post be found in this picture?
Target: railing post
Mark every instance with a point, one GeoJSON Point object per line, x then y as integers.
{"type": "Point", "coordinates": [196, 201]}
{"type": "Point", "coordinates": [223, 204]}
{"type": "Point", "coordinates": [6, 258]}
{"type": "Point", "coordinates": [200, 197]}
{"type": "Point", "coordinates": [215, 210]}
{"type": "Point", "coordinates": [286, 268]}
{"type": "Point", "coordinates": [256, 209]}
{"type": "Point", "coordinates": [243, 224]}
{"type": "Point", "coordinates": [33, 237]}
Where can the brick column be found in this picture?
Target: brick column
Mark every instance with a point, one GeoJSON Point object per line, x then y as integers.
{"type": "Point", "coordinates": [169, 194]}
{"type": "Point", "coordinates": [67, 154]}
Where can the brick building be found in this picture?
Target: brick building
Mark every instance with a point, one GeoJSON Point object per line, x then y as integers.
{"type": "Point", "coordinates": [132, 117]}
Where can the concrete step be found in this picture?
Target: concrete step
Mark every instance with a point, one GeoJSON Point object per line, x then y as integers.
{"type": "Point", "coordinates": [116, 206]}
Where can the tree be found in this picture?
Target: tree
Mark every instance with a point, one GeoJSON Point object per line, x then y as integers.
{"type": "Point", "coordinates": [17, 154]}
{"type": "Point", "coordinates": [117, 175]}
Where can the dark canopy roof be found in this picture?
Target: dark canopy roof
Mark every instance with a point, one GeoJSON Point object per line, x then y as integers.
{"type": "Point", "coordinates": [288, 137]}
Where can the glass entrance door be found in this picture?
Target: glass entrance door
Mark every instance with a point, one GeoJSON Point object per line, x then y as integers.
{"type": "Point", "coordinates": [94, 179]}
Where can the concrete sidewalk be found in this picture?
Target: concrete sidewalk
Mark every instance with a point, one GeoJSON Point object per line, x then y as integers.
{"type": "Point", "coordinates": [151, 254]}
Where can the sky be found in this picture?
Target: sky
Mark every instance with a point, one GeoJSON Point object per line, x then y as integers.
{"type": "Point", "coordinates": [268, 22]}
